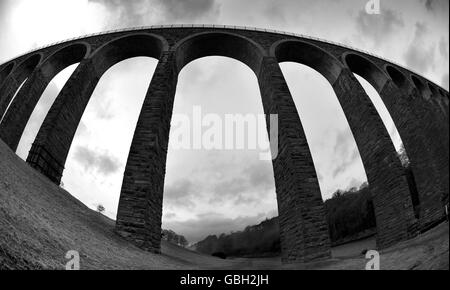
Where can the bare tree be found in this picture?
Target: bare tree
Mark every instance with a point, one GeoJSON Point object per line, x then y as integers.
{"type": "Point", "coordinates": [100, 208]}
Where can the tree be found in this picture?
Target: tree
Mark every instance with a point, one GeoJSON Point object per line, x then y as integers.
{"type": "Point", "coordinates": [100, 208]}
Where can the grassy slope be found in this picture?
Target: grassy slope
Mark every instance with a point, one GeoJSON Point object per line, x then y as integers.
{"type": "Point", "coordinates": [40, 222]}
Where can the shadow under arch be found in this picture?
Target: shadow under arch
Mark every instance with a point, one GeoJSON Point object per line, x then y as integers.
{"type": "Point", "coordinates": [309, 55]}
{"type": "Point", "coordinates": [64, 57]}
{"type": "Point", "coordinates": [125, 47]}
{"type": "Point", "coordinates": [436, 97]}
{"type": "Point", "coordinates": [420, 86]}
{"type": "Point", "coordinates": [6, 71]}
{"type": "Point", "coordinates": [397, 77]}
{"type": "Point", "coordinates": [365, 68]}
{"type": "Point", "coordinates": [16, 77]}
{"type": "Point", "coordinates": [56, 133]}
{"type": "Point", "coordinates": [218, 44]}
{"type": "Point", "coordinates": [444, 96]}
{"type": "Point", "coordinates": [23, 105]}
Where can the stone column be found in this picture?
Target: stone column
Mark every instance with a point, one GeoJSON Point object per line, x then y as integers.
{"type": "Point", "coordinates": [21, 108]}
{"type": "Point", "coordinates": [50, 149]}
{"type": "Point", "coordinates": [140, 205]}
{"type": "Point", "coordinates": [302, 218]}
{"type": "Point", "coordinates": [387, 182]}
{"type": "Point", "coordinates": [437, 132]}
{"type": "Point", "coordinates": [423, 148]}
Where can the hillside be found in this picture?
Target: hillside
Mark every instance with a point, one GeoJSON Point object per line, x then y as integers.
{"type": "Point", "coordinates": [350, 217]}
{"type": "Point", "coordinates": [40, 222]}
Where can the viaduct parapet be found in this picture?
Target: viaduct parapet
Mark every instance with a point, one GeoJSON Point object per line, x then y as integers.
{"type": "Point", "coordinates": [418, 107]}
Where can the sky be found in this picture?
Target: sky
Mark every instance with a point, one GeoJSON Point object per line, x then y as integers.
{"type": "Point", "coordinates": [214, 191]}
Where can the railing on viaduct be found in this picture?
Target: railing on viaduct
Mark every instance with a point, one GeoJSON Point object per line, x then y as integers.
{"type": "Point", "coordinates": [418, 107]}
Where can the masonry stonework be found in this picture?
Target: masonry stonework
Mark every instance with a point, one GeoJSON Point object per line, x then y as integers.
{"type": "Point", "coordinates": [418, 108]}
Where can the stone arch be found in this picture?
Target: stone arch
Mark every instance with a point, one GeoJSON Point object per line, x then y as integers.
{"type": "Point", "coordinates": [16, 77]}
{"type": "Point", "coordinates": [365, 68]}
{"type": "Point", "coordinates": [6, 71]}
{"type": "Point", "coordinates": [308, 54]}
{"type": "Point", "coordinates": [18, 114]}
{"type": "Point", "coordinates": [51, 147]}
{"type": "Point", "coordinates": [420, 86]}
{"type": "Point", "coordinates": [153, 126]}
{"type": "Point", "coordinates": [436, 97]}
{"type": "Point", "coordinates": [128, 46]}
{"type": "Point", "coordinates": [218, 44]}
{"type": "Point", "coordinates": [362, 118]}
{"type": "Point", "coordinates": [434, 91]}
{"type": "Point", "coordinates": [54, 139]}
{"type": "Point", "coordinates": [405, 112]}
{"type": "Point", "coordinates": [64, 57]}
{"type": "Point", "coordinates": [397, 76]}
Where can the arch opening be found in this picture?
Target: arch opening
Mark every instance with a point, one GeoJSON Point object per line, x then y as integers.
{"type": "Point", "coordinates": [25, 68]}
{"type": "Point", "coordinates": [309, 55]}
{"type": "Point", "coordinates": [25, 103]}
{"type": "Point", "coordinates": [365, 68]}
{"type": "Point", "coordinates": [397, 76]}
{"type": "Point", "coordinates": [97, 157]}
{"type": "Point", "coordinates": [436, 97]}
{"type": "Point", "coordinates": [339, 167]}
{"type": "Point", "coordinates": [395, 138]}
{"type": "Point", "coordinates": [355, 180]}
{"type": "Point", "coordinates": [20, 74]}
{"type": "Point", "coordinates": [209, 189]}
{"type": "Point", "coordinates": [433, 90]}
{"type": "Point", "coordinates": [41, 109]}
{"type": "Point", "coordinates": [372, 79]}
{"type": "Point", "coordinates": [64, 58]}
{"type": "Point", "coordinates": [421, 87]}
{"type": "Point", "coordinates": [87, 76]}
{"type": "Point", "coordinates": [218, 44]}
{"type": "Point", "coordinates": [13, 97]}
{"type": "Point", "coordinates": [123, 48]}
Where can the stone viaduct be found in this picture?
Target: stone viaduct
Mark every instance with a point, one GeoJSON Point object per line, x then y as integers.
{"type": "Point", "coordinates": [418, 107]}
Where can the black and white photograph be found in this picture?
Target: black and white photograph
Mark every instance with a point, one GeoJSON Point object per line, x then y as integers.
{"type": "Point", "coordinates": [246, 136]}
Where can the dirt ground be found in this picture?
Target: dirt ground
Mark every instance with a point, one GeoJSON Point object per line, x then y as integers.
{"type": "Point", "coordinates": [40, 222]}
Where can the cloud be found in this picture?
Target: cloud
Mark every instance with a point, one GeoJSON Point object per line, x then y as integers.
{"type": "Point", "coordinates": [182, 194]}
{"type": "Point", "coordinates": [148, 12]}
{"type": "Point", "coordinates": [443, 48]}
{"type": "Point", "coordinates": [436, 5]}
{"type": "Point", "coordinates": [212, 223]}
{"type": "Point", "coordinates": [378, 27]}
{"type": "Point", "coordinates": [249, 186]}
{"type": "Point", "coordinates": [99, 162]}
{"type": "Point", "coordinates": [419, 55]}
{"type": "Point", "coordinates": [188, 9]}
{"type": "Point", "coordinates": [345, 154]}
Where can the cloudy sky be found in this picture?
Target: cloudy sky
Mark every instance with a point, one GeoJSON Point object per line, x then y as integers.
{"type": "Point", "coordinates": [215, 191]}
